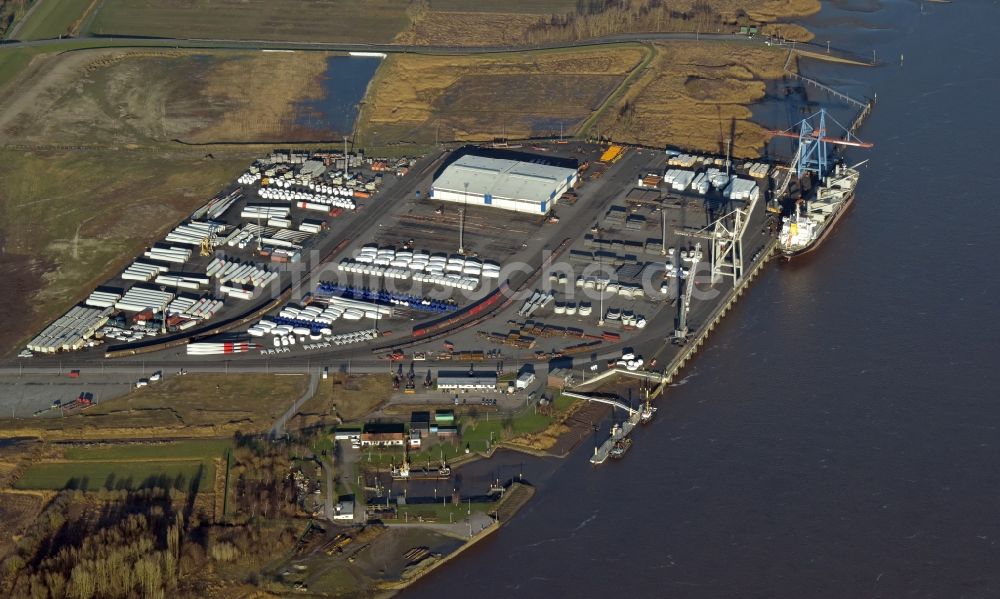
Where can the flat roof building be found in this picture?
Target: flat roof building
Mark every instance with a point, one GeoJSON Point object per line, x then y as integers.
{"type": "Point", "coordinates": [344, 510]}
{"type": "Point", "coordinates": [467, 379]}
{"type": "Point", "coordinates": [505, 184]}
{"type": "Point", "coordinates": [383, 434]}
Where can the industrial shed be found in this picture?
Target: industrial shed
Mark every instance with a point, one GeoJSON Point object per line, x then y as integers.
{"type": "Point", "coordinates": [478, 380]}
{"type": "Point", "coordinates": [505, 184]}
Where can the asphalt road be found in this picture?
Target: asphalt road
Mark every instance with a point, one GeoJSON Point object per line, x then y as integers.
{"type": "Point", "coordinates": [279, 427]}
{"type": "Point", "coordinates": [386, 48]}
{"type": "Point", "coordinates": [420, 49]}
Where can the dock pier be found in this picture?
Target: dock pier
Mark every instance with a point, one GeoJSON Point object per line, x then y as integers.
{"type": "Point", "coordinates": [601, 453]}
{"type": "Point", "coordinates": [680, 360]}
{"type": "Point", "coordinates": [689, 350]}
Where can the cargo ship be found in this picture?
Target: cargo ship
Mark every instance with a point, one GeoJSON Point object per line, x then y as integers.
{"type": "Point", "coordinates": [812, 221]}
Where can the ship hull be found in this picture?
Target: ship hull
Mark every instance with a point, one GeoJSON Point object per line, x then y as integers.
{"type": "Point", "coordinates": [844, 207]}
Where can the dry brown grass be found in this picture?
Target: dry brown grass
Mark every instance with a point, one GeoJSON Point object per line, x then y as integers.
{"type": "Point", "coordinates": [261, 93]}
{"type": "Point", "coordinates": [542, 441]}
{"type": "Point", "coordinates": [196, 405]}
{"type": "Point", "coordinates": [771, 10]}
{"type": "Point", "coordinates": [788, 31]}
{"type": "Point", "coordinates": [695, 96]}
{"type": "Point", "coordinates": [471, 24]}
{"type": "Point", "coordinates": [144, 96]}
{"type": "Point", "coordinates": [467, 98]}
{"type": "Point", "coordinates": [359, 21]}
{"type": "Point", "coordinates": [18, 510]}
{"type": "Point", "coordinates": [468, 29]}
{"type": "Point", "coordinates": [71, 218]}
{"type": "Point", "coordinates": [348, 398]}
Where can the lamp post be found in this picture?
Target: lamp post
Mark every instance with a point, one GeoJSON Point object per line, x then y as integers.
{"type": "Point", "coordinates": [461, 221]}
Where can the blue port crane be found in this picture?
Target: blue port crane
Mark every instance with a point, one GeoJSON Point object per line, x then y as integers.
{"type": "Point", "coordinates": [813, 154]}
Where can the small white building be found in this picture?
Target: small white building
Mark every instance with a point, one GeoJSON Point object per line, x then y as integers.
{"type": "Point", "coordinates": [505, 184]}
{"type": "Point", "coordinates": [344, 510]}
{"type": "Point", "coordinates": [525, 379]}
{"type": "Point", "coordinates": [478, 380]}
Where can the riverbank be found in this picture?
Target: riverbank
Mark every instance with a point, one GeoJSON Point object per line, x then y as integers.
{"type": "Point", "coordinates": [515, 498]}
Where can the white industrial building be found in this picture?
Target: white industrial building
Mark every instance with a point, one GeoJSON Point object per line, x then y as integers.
{"type": "Point", "coordinates": [506, 184]}
{"type": "Point", "coordinates": [467, 380]}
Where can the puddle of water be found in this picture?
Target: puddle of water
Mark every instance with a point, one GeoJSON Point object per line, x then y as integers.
{"type": "Point", "coordinates": [344, 85]}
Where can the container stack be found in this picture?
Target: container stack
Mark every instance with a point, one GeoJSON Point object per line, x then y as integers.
{"type": "Point", "coordinates": [243, 292]}
{"type": "Point", "coordinates": [264, 211]}
{"type": "Point", "coordinates": [758, 170]}
{"type": "Point", "coordinates": [194, 232]}
{"type": "Point", "coordinates": [537, 301]}
{"type": "Point", "coordinates": [173, 254]}
{"type": "Point", "coordinates": [238, 273]}
{"type": "Point", "coordinates": [182, 280]}
{"type": "Point", "coordinates": [717, 178]}
{"type": "Point", "coordinates": [440, 269]}
{"type": "Point", "coordinates": [311, 227]}
{"type": "Point", "coordinates": [142, 271]}
{"type": "Point", "coordinates": [741, 189]}
{"type": "Point", "coordinates": [138, 299]}
{"type": "Point", "coordinates": [319, 197]}
{"type": "Point", "coordinates": [678, 179]}
{"type": "Point", "coordinates": [218, 206]}
{"type": "Point", "coordinates": [683, 160]}
{"type": "Point", "coordinates": [204, 309]}
{"type": "Point", "coordinates": [71, 330]}
{"type": "Point", "coordinates": [103, 299]}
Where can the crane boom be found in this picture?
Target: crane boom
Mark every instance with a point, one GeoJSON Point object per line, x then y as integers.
{"type": "Point", "coordinates": [830, 140]}
{"type": "Point", "coordinates": [682, 329]}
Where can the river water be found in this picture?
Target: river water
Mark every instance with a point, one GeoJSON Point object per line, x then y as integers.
{"type": "Point", "coordinates": [838, 436]}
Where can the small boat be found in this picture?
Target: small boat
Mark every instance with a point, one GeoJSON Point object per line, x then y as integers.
{"type": "Point", "coordinates": [646, 413]}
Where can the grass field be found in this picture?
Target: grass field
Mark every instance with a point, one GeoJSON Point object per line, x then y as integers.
{"type": "Point", "coordinates": [443, 512]}
{"type": "Point", "coordinates": [207, 405]}
{"type": "Point", "coordinates": [370, 21]}
{"type": "Point", "coordinates": [13, 61]}
{"type": "Point", "coordinates": [173, 450]}
{"type": "Point", "coordinates": [465, 98]}
{"type": "Point", "coordinates": [346, 397]}
{"type": "Point", "coordinates": [111, 475]}
{"type": "Point", "coordinates": [129, 465]}
{"type": "Point", "coordinates": [53, 19]}
{"type": "Point", "coordinates": [71, 219]}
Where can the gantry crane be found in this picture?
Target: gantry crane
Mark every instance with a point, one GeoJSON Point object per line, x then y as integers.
{"type": "Point", "coordinates": [812, 154]}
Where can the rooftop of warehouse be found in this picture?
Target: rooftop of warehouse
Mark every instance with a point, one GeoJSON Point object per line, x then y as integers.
{"type": "Point", "coordinates": [502, 178]}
